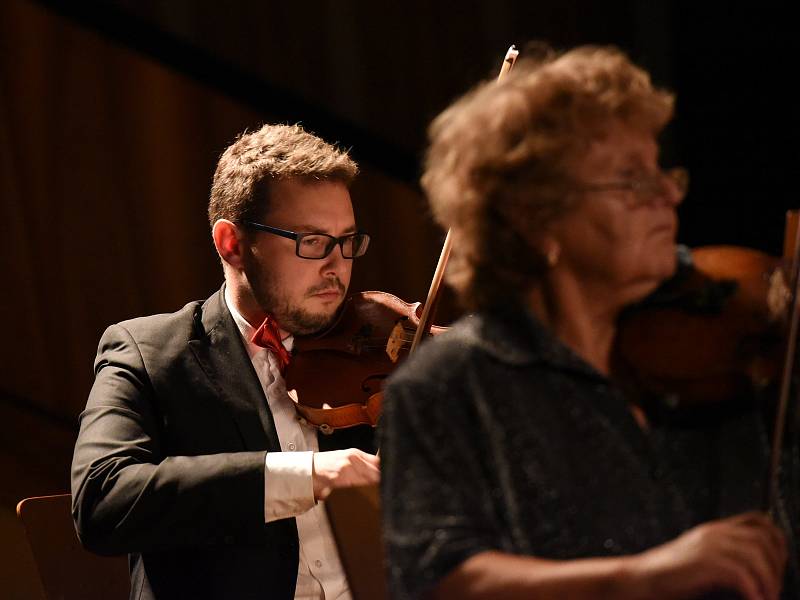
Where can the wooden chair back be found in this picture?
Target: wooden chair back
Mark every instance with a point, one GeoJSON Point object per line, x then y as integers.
{"type": "Point", "coordinates": [67, 571]}
{"type": "Point", "coordinates": [355, 516]}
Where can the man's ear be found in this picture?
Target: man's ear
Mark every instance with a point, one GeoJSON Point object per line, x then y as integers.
{"type": "Point", "coordinates": [228, 242]}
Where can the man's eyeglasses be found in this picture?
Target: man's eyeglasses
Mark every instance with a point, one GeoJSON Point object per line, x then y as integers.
{"type": "Point", "coordinates": [318, 245]}
{"type": "Point", "coordinates": [646, 187]}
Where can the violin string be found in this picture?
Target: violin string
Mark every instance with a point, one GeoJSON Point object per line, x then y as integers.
{"type": "Point", "coordinates": [405, 344]}
{"type": "Point", "coordinates": [378, 343]}
{"type": "Point", "coordinates": [382, 343]}
{"type": "Point", "coordinates": [405, 338]}
{"type": "Point", "coordinates": [383, 340]}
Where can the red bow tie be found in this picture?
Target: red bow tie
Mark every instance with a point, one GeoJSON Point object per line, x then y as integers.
{"type": "Point", "coordinates": [268, 336]}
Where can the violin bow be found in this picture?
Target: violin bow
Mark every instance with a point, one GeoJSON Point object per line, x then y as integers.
{"type": "Point", "coordinates": [773, 489]}
{"type": "Point", "coordinates": [426, 319]}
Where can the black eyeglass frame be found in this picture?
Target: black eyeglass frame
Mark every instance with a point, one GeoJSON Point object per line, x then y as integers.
{"type": "Point", "coordinates": [298, 237]}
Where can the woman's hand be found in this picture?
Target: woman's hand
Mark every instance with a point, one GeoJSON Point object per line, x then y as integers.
{"type": "Point", "coordinates": [745, 553]}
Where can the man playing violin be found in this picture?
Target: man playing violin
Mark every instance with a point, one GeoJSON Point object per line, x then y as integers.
{"type": "Point", "coordinates": [190, 457]}
{"type": "Point", "coordinates": [513, 464]}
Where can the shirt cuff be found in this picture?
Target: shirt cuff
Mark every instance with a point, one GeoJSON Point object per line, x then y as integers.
{"type": "Point", "coordinates": [288, 485]}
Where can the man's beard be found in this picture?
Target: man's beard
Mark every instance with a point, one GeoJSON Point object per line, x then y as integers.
{"type": "Point", "coordinates": [291, 318]}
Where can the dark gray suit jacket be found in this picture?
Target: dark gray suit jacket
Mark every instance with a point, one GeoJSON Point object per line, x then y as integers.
{"type": "Point", "coordinates": [169, 462]}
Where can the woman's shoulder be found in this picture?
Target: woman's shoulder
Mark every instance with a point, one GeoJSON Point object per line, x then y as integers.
{"type": "Point", "coordinates": [482, 340]}
{"type": "Point", "coordinates": [445, 354]}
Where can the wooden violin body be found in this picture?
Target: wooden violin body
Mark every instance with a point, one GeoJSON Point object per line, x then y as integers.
{"type": "Point", "coordinates": [338, 373]}
{"type": "Point", "coordinates": [712, 334]}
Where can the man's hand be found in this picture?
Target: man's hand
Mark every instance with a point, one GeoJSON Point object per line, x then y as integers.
{"type": "Point", "coordinates": [343, 468]}
{"type": "Point", "coordinates": [745, 553]}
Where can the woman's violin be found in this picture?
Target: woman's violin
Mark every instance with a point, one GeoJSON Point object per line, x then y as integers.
{"type": "Point", "coordinates": [714, 332]}
{"type": "Point", "coordinates": [723, 329]}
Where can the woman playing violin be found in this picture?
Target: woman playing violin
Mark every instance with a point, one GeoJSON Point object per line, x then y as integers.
{"type": "Point", "coordinates": [513, 464]}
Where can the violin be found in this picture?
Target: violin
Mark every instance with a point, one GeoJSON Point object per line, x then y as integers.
{"type": "Point", "coordinates": [336, 376]}
{"type": "Point", "coordinates": [723, 329]}
{"type": "Point", "coordinates": [713, 333]}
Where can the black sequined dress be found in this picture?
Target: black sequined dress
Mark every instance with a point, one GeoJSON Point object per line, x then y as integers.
{"type": "Point", "coordinates": [495, 436]}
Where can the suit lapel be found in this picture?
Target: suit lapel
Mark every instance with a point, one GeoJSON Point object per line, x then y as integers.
{"type": "Point", "coordinates": [223, 358]}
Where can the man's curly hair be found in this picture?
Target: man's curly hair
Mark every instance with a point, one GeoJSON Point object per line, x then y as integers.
{"type": "Point", "coordinates": [241, 186]}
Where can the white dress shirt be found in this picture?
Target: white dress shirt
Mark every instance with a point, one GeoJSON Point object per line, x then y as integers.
{"type": "Point", "coordinates": [289, 490]}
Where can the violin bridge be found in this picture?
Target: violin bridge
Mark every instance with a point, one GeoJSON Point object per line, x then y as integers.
{"type": "Point", "coordinates": [395, 342]}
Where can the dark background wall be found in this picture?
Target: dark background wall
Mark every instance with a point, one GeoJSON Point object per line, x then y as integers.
{"type": "Point", "coordinates": [374, 74]}
{"type": "Point", "coordinates": [112, 115]}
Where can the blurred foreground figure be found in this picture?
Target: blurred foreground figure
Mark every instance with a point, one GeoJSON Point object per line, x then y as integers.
{"type": "Point", "coordinates": [513, 464]}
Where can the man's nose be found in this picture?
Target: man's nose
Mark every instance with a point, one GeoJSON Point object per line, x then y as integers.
{"type": "Point", "coordinates": [335, 263]}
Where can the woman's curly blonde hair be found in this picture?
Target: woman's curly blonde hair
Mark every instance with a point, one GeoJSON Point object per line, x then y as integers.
{"type": "Point", "coordinates": [495, 171]}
